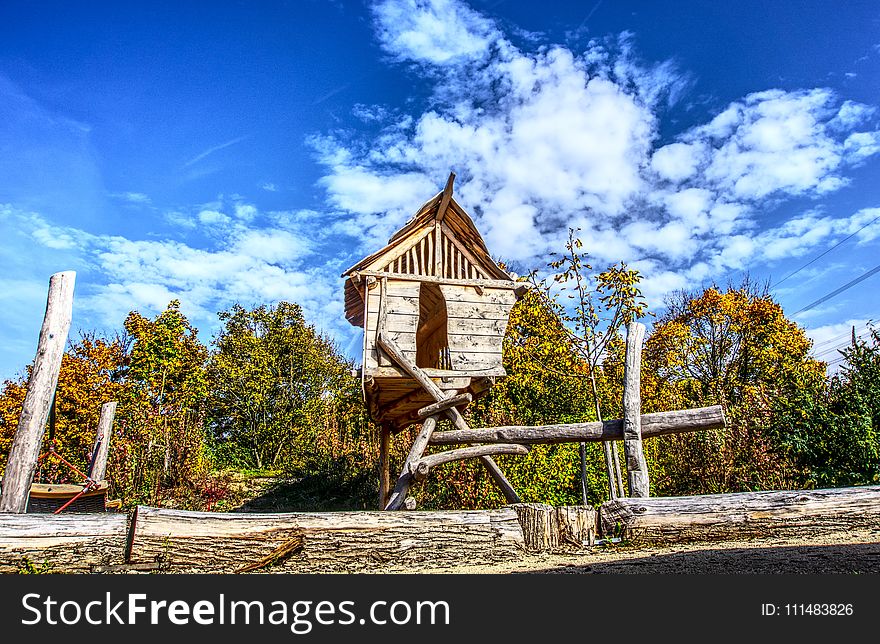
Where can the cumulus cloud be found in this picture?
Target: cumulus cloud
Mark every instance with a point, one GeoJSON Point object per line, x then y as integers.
{"type": "Point", "coordinates": [550, 138]}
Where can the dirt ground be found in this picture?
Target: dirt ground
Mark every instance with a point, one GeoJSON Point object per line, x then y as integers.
{"type": "Point", "coordinates": [856, 551]}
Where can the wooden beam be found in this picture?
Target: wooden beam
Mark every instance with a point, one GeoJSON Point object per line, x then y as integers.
{"type": "Point", "coordinates": [444, 200]}
{"type": "Point", "coordinates": [500, 480]}
{"type": "Point", "coordinates": [40, 391]}
{"type": "Point", "coordinates": [636, 465]}
{"type": "Point", "coordinates": [421, 468]}
{"type": "Point", "coordinates": [656, 424]}
{"type": "Point", "coordinates": [443, 405]}
{"type": "Point", "coordinates": [433, 279]}
{"type": "Point", "coordinates": [396, 354]}
{"type": "Point", "coordinates": [101, 449]}
{"type": "Point", "coordinates": [724, 516]}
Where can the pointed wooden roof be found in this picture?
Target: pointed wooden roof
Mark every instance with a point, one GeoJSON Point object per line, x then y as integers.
{"type": "Point", "coordinates": [440, 223]}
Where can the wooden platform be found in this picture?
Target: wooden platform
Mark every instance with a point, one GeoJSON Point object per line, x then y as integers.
{"type": "Point", "coordinates": [395, 400]}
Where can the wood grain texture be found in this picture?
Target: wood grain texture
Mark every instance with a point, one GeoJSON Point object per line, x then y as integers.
{"type": "Point", "coordinates": [656, 424]}
{"type": "Point", "coordinates": [742, 514]}
{"type": "Point", "coordinates": [101, 449]}
{"type": "Point", "coordinates": [331, 542]}
{"type": "Point", "coordinates": [636, 465]}
{"type": "Point", "coordinates": [547, 528]}
{"type": "Point", "coordinates": [61, 543]}
{"type": "Point", "coordinates": [43, 379]}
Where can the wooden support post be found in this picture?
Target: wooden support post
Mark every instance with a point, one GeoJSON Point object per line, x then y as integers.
{"type": "Point", "coordinates": [636, 466]}
{"type": "Point", "coordinates": [391, 348]}
{"type": "Point", "coordinates": [384, 464]}
{"type": "Point", "coordinates": [398, 495]}
{"type": "Point", "coordinates": [40, 390]}
{"type": "Point", "coordinates": [101, 449]}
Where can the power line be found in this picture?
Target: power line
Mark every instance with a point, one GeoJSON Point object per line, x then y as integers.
{"type": "Point", "coordinates": [840, 290]}
{"type": "Point", "coordinates": [842, 241]}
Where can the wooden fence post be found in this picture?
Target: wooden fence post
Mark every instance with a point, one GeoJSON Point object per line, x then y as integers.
{"type": "Point", "coordinates": [636, 466]}
{"type": "Point", "coordinates": [40, 390]}
{"type": "Point", "coordinates": [98, 468]}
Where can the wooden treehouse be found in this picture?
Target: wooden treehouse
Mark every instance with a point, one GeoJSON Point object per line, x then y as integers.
{"type": "Point", "coordinates": [434, 308]}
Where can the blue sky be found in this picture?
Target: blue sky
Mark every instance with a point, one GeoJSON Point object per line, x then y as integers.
{"type": "Point", "coordinates": [249, 152]}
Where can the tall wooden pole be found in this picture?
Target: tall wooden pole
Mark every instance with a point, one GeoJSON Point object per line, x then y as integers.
{"type": "Point", "coordinates": [98, 468]}
{"type": "Point", "coordinates": [636, 466]}
{"type": "Point", "coordinates": [384, 465]}
{"type": "Point", "coordinates": [40, 390]}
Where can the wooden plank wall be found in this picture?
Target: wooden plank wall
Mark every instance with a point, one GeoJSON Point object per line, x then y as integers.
{"type": "Point", "coordinates": [402, 320]}
{"type": "Point", "coordinates": [476, 326]}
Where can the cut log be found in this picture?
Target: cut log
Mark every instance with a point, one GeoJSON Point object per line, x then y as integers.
{"type": "Point", "coordinates": [424, 465]}
{"type": "Point", "coordinates": [657, 424]}
{"type": "Point", "coordinates": [546, 528]}
{"type": "Point", "coordinates": [331, 541]}
{"type": "Point", "coordinates": [636, 465]}
{"type": "Point", "coordinates": [40, 391]}
{"type": "Point", "coordinates": [742, 514]}
{"type": "Point", "coordinates": [98, 467]}
{"type": "Point", "coordinates": [61, 543]}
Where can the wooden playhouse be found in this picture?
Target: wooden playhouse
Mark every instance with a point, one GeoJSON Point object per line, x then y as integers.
{"type": "Point", "coordinates": [438, 295]}
{"type": "Point", "coordinates": [434, 308]}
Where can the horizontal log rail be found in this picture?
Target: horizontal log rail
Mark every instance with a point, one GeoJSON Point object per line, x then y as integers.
{"type": "Point", "coordinates": [422, 467]}
{"type": "Point", "coordinates": [656, 424]}
{"type": "Point", "coordinates": [723, 516]}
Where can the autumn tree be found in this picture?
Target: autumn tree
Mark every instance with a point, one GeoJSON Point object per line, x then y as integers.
{"type": "Point", "coordinates": [272, 376]}
{"type": "Point", "coordinates": [89, 376]}
{"type": "Point", "coordinates": [162, 416]}
{"type": "Point", "coordinates": [833, 433]}
{"type": "Point", "coordinates": [733, 347]}
{"type": "Point", "coordinates": [593, 308]}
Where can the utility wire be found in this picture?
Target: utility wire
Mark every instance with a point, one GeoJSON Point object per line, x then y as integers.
{"type": "Point", "coordinates": [818, 257]}
{"type": "Point", "coordinates": [840, 290]}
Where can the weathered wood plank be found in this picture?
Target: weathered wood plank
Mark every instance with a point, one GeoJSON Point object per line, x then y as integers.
{"type": "Point", "coordinates": [478, 310]}
{"type": "Point", "coordinates": [722, 516]}
{"type": "Point", "coordinates": [656, 424]}
{"type": "Point", "coordinates": [61, 543]}
{"type": "Point", "coordinates": [636, 465]}
{"type": "Point", "coordinates": [509, 284]}
{"type": "Point", "coordinates": [474, 362]}
{"type": "Point", "coordinates": [502, 296]}
{"type": "Point", "coordinates": [40, 391]}
{"type": "Point", "coordinates": [332, 541]}
{"type": "Point", "coordinates": [473, 343]}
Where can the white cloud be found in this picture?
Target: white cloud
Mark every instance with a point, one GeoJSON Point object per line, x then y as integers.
{"type": "Point", "coordinates": [433, 31]}
{"type": "Point", "coordinates": [549, 138]}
